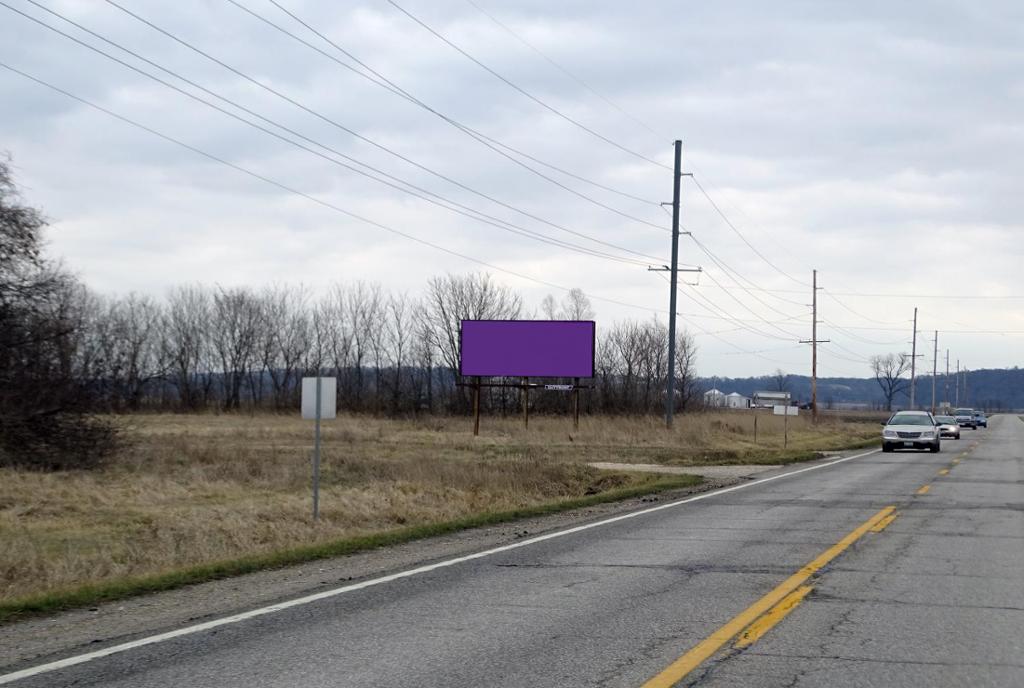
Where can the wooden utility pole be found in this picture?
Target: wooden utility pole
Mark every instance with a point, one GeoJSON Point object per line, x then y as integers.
{"type": "Point", "coordinates": [670, 398]}
{"type": "Point", "coordinates": [958, 382]}
{"type": "Point", "coordinates": [814, 341]}
{"type": "Point", "coordinates": [673, 270]}
{"type": "Point", "coordinates": [913, 362]}
{"type": "Point", "coordinates": [935, 367]}
{"type": "Point", "coordinates": [945, 396]}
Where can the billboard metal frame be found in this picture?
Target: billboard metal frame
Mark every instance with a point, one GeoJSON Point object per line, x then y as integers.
{"type": "Point", "coordinates": [525, 385]}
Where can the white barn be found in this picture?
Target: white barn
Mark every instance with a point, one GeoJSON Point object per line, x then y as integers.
{"type": "Point", "coordinates": [714, 398]}
{"type": "Point", "coordinates": [737, 400]}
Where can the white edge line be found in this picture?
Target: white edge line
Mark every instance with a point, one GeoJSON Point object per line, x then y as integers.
{"type": "Point", "coordinates": [326, 594]}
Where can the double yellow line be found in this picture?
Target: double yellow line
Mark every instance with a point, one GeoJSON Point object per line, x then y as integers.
{"type": "Point", "coordinates": [757, 619]}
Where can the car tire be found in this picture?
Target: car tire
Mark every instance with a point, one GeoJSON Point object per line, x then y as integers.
{"type": "Point", "coordinates": [957, 436]}
{"type": "Point", "coordinates": [935, 448]}
{"type": "Point", "coordinates": [886, 447]}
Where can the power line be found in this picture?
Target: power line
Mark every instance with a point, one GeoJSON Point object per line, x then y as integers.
{"type": "Point", "coordinates": [523, 91]}
{"type": "Point", "coordinates": [309, 197]}
{"type": "Point", "coordinates": [735, 276]}
{"type": "Point", "coordinates": [333, 123]}
{"type": "Point", "coordinates": [568, 73]}
{"type": "Point", "coordinates": [738, 233]}
{"type": "Point", "coordinates": [416, 191]}
{"type": "Point", "coordinates": [383, 82]}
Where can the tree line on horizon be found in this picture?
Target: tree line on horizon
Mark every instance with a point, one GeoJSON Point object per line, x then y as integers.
{"type": "Point", "coordinates": [68, 354]}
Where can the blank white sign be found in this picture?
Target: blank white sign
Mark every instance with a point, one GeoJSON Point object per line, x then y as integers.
{"type": "Point", "coordinates": [328, 397]}
{"type": "Point", "coordinates": [786, 410]}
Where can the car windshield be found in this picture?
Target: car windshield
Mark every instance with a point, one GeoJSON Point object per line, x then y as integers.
{"type": "Point", "coordinates": [945, 419]}
{"type": "Point", "coordinates": [964, 412]}
{"type": "Point", "coordinates": [910, 419]}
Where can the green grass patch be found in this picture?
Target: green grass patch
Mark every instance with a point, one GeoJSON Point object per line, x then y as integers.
{"type": "Point", "coordinates": [92, 594]}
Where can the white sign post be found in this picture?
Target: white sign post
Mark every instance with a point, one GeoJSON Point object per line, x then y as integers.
{"type": "Point", "coordinates": [787, 411]}
{"type": "Point", "coordinates": [319, 402]}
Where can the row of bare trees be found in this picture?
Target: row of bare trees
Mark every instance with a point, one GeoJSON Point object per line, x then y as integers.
{"type": "Point", "coordinates": [235, 348]}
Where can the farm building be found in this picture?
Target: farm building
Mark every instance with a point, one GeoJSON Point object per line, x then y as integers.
{"type": "Point", "coordinates": [737, 400]}
{"type": "Point", "coordinates": [769, 399]}
{"type": "Point", "coordinates": [714, 398]}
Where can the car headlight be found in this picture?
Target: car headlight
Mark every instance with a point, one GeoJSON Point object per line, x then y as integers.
{"type": "Point", "coordinates": [889, 433]}
{"type": "Point", "coordinates": [927, 434]}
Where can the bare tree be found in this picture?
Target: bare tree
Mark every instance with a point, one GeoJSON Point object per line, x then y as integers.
{"type": "Point", "coordinates": [889, 370]}
{"type": "Point", "coordinates": [399, 325]}
{"type": "Point", "coordinates": [44, 398]}
{"type": "Point", "coordinates": [185, 343]}
{"type": "Point", "coordinates": [576, 306]}
{"type": "Point", "coordinates": [687, 384]}
{"type": "Point", "coordinates": [452, 299]}
{"type": "Point", "coordinates": [780, 381]}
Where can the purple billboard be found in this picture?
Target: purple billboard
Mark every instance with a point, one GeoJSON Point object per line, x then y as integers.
{"type": "Point", "coordinates": [527, 348]}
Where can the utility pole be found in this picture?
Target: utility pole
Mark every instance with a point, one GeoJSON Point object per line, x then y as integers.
{"type": "Point", "coordinates": [945, 397]}
{"type": "Point", "coordinates": [677, 177]}
{"type": "Point", "coordinates": [958, 382]}
{"type": "Point", "coordinates": [814, 341]}
{"type": "Point", "coordinates": [935, 367]}
{"type": "Point", "coordinates": [966, 398]}
{"type": "Point", "coordinates": [913, 362]}
{"type": "Point", "coordinates": [670, 392]}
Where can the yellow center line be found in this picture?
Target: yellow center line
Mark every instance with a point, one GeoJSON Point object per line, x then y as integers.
{"type": "Point", "coordinates": [924, 489]}
{"type": "Point", "coordinates": [689, 661]}
{"type": "Point", "coordinates": [943, 471]}
{"type": "Point", "coordinates": [884, 523]}
{"type": "Point", "coordinates": [773, 616]}
{"type": "Point", "coordinates": [956, 461]}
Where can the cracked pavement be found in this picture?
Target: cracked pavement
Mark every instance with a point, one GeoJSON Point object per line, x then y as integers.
{"type": "Point", "coordinates": [934, 599]}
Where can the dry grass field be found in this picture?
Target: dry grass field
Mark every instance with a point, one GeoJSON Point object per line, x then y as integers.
{"type": "Point", "coordinates": [192, 489]}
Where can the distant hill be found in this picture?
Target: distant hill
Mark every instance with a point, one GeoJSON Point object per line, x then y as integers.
{"type": "Point", "coordinates": [989, 389]}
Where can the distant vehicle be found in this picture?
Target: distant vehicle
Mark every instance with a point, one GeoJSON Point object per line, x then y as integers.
{"type": "Point", "coordinates": [980, 420]}
{"type": "Point", "coordinates": [911, 430]}
{"type": "Point", "coordinates": [948, 427]}
{"type": "Point", "coordinates": [965, 418]}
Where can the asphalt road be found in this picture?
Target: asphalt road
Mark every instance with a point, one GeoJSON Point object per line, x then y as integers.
{"type": "Point", "coordinates": [934, 598]}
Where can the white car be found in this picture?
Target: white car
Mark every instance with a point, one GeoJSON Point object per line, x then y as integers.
{"type": "Point", "coordinates": [911, 430]}
{"type": "Point", "coordinates": [948, 427]}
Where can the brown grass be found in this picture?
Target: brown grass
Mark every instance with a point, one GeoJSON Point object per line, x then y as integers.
{"type": "Point", "coordinates": [194, 489]}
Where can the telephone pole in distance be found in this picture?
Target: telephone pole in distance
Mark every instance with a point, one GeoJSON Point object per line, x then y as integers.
{"type": "Point", "coordinates": [814, 341]}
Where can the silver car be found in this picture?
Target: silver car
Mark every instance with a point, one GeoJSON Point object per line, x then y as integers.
{"type": "Point", "coordinates": [911, 430]}
{"type": "Point", "coordinates": [948, 427]}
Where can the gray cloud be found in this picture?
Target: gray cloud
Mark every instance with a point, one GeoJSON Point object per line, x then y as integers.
{"type": "Point", "coordinates": [878, 142]}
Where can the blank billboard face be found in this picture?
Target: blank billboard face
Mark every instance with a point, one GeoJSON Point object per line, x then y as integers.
{"type": "Point", "coordinates": [527, 348]}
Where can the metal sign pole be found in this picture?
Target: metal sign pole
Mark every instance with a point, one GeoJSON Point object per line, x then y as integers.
{"type": "Point", "coordinates": [576, 403]}
{"type": "Point", "coordinates": [785, 428]}
{"type": "Point", "coordinates": [316, 452]}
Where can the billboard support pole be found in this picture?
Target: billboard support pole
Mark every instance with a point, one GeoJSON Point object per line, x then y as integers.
{"type": "Point", "coordinates": [526, 402]}
{"type": "Point", "coordinates": [576, 403]}
{"type": "Point", "coordinates": [476, 406]}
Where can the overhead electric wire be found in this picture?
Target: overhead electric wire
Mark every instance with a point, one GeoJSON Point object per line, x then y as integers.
{"type": "Point", "coordinates": [713, 307]}
{"type": "Point", "coordinates": [847, 331]}
{"type": "Point", "coordinates": [738, 233]}
{"type": "Point", "coordinates": [734, 275]}
{"type": "Point", "coordinates": [854, 312]}
{"type": "Point", "coordinates": [492, 219]}
{"type": "Point", "coordinates": [717, 335]}
{"type": "Point", "coordinates": [568, 73]}
{"type": "Point", "coordinates": [416, 191]}
{"type": "Point", "coordinates": [789, 335]}
{"type": "Point", "coordinates": [388, 85]}
{"type": "Point", "coordinates": [521, 90]}
{"type": "Point", "coordinates": [309, 197]}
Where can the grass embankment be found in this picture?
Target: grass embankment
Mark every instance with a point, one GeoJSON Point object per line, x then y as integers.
{"type": "Point", "coordinates": [193, 498]}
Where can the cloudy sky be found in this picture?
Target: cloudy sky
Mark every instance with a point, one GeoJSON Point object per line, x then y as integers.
{"type": "Point", "coordinates": [881, 143]}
